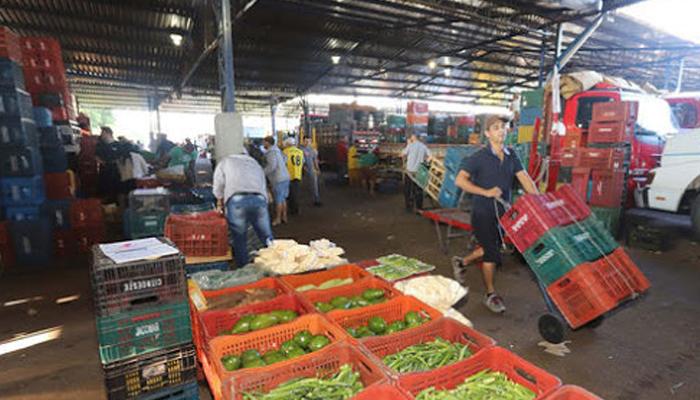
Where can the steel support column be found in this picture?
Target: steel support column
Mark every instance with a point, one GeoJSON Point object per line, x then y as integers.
{"type": "Point", "coordinates": [681, 70]}
{"type": "Point", "coordinates": [273, 112]}
{"type": "Point", "coordinates": [543, 52]}
{"type": "Point", "coordinates": [563, 59]}
{"type": "Point", "coordinates": [228, 93]}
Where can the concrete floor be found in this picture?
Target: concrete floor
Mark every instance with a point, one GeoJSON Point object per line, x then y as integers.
{"type": "Point", "coordinates": [644, 351]}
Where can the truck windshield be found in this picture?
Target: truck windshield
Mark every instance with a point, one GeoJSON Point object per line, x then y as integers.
{"type": "Point", "coordinates": [655, 115]}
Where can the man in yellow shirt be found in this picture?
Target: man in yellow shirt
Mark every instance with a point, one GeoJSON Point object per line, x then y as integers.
{"type": "Point", "coordinates": [295, 166]}
{"type": "Point", "coordinates": [354, 165]}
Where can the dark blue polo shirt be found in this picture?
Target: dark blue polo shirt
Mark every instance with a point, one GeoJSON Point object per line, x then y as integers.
{"type": "Point", "coordinates": [486, 170]}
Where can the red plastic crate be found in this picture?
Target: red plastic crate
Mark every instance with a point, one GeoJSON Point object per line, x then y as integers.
{"type": "Point", "coordinates": [350, 291]}
{"type": "Point", "coordinates": [580, 177]}
{"type": "Point", "coordinates": [317, 278]}
{"type": "Point", "coordinates": [392, 310]}
{"type": "Point", "coordinates": [86, 213]}
{"type": "Point", "coordinates": [571, 140]}
{"type": "Point", "coordinates": [607, 188]}
{"type": "Point", "coordinates": [265, 283]}
{"type": "Point", "coordinates": [596, 158]}
{"type": "Point", "coordinates": [322, 363]}
{"type": "Point", "coordinates": [568, 157]}
{"type": "Point", "coordinates": [10, 45]}
{"type": "Point", "coordinates": [199, 235]}
{"type": "Point", "coordinates": [58, 186]}
{"type": "Point", "coordinates": [214, 322]}
{"type": "Point", "coordinates": [88, 236]}
{"type": "Point", "coordinates": [367, 263]}
{"type": "Point", "coordinates": [495, 359]}
{"type": "Point", "coordinates": [41, 45]}
{"type": "Point", "coordinates": [571, 392]}
{"type": "Point", "coordinates": [445, 328]}
{"type": "Point", "coordinates": [624, 111]}
{"type": "Point", "coordinates": [7, 253]}
{"type": "Point", "coordinates": [533, 215]}
{"type": "Point", "coordinates": [64, 243]}
{"type": "Point", "coordinates": [382, 391]}
{"type": "Point", "coordinates": [610, 132]}
{"type": "Point", "coordinates": [148, 183]}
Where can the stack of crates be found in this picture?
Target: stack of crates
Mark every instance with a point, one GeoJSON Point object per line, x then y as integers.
{"type": "Point", "coordinates": [143, 326]}
{"type": "Point", "coordinates": [600, 172]}
{"type": "Point", "coordinates": [87, 165]}
{"type": "Point", "coordinates": [148, 209]}
{"type": "Point", "coordinates": [417, 118]}
{"type": "Point", "coordinates": [531, 102]}
{"type": "Point", "coordinates": [87, 224]}
{"type": "Point", "coordinates": [200, 234]}
{"type": "Point", "coordinates": [571, 254]}
{"type": "Point", "coordinates": [449, 192]}
{"type": "Point", "coordinates": [465, 127]}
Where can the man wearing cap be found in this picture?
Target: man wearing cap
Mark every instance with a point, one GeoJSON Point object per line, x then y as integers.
{"type": "Point", "coordinates": [488, 174]}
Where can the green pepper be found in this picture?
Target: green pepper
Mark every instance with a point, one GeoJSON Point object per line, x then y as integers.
{"type": "Point", "coordinates": [243, 324]}
{"type": "Point", "coordinates": [231, 362]}
{"type": "Point", "coordinates": [318, 342]}
{"type": "Point", "coordinates": [377, 325]}
{"type": "Point", "coordinates": [263, 321]}
{"type": "Point", "coordinates": [303, 338]}
{"type": "Point", "coordinates": [323, 307]}
{"type": "Point", "coordinates": [341, 303]}
{"type": "Point", "coordinates": [284, 316]}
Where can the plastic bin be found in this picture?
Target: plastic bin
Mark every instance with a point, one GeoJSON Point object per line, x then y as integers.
{"type": "Point", "coordinates": [135, 333]}
{"type": "Point", "coordinates": [188, 391]}
{"type": "Point", "coordinates": [136, 285]}
{"type": "Point", "coordinates": [580, 179]}
{"type": "Point", "coordinates": [88, 236]}
{"type": "Point", "coordinates": [144, 375]}
{"type": "Point", "coordinates": [610, 132]}
{"type": "Point", "coordinates": [349, 291]}
{"type": "Point", "coordinates": [194, 268]}
{"type": "Point", "coordinates": [316, 278]}
{"type": "Point", "coordinates": [143, 224]}
{"type": "Point", "coordinates": [23, 213]}
{"type": "Point", "coordinates": [18, 132]}
{"type": "Point", "coordinates": [15, 102]}
{"type": "Point", "coordinates": [10, 72]}
{"type": "Point", "coordinates": [615, 111]}
{"type": "Point", "coordinates": [571, 392]}
{"type": "Point", "coordinates": [202, 234]}
{"type": "Point", "coordinates": [529, 115]}
{"type": "Point", "coordinates": [600, 158]}
{"type": "Point", "coordinates": [58, 212]}
{"type": "Point", "coordinates": [64, 243]}
{"type": "Point", "coordinates": [7, 253]}
{"type": "Point", "coordinates": [495, 359]}
{"type": "Point", "coordinates": [609, 217]}
{"type": "Point", "coordinates": [17, 162]}
{"type": "Point", "coordinates": [42, 117]}
{"type": "Point", "coordinates": [323, 363]}
{"type": "Point", "coordinates": [22, 191]}
{"type": "Point", "coordinates": [32, 242]}
{"type": "Point", "coordinates": [265, 283]}
{"type": "Point", "coordinates": [54, 159]}
{"type": "Point", "coordinates": [607, 188]}
{"type": "Point", "coordinates": [191, 208]}
{"type": "Point", "coordinates": [58, 186]}
{"type": "Point", "coordinates": [149, 200]}
{"type": "Point", "coordinates": [382, 391]}
{"type": "Point", "coordinates": [86, 212]}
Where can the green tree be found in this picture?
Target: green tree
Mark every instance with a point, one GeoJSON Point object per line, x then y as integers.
{"type": "Point", "coordinates": [99, 117]}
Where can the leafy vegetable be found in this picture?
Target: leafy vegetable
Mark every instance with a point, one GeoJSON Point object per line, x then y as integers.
{"type": "Point", "coordinates": [484, 385]}
{"type": "Point", "coordinates": [394, 267]}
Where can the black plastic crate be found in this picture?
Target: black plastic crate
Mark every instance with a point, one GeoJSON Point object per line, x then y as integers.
{"type": "Point", "coordinates": [15, 103]}
{"type": "Point", "coordinates": [11, 74]}
{"type": "Point", "coordinates": [17, 132]}
{"type": "Point", "coordinates": [24, 161]}
{"type": "Point", "coordinates": [50, 136]}
{"type": "Point", "coordinates": [33, 244]}
{"type": "Point", "coordinates": [149, 200]}
{"type": "Point", "coordinates": [144, 375]}
{"type": "Point", "coordinates": [54, 158]}
{"type": "Point", "coordinates": [58, 212]}
{"type": "Point", "coordinates": [137, 285]}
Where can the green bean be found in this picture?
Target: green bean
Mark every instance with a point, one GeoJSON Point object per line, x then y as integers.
{"type": "Point", "coordinates": [342, 386]}
{"type": "Point", "coordinates": [427, 356]}
{"type": "Point", "coordinates": [484, 385]}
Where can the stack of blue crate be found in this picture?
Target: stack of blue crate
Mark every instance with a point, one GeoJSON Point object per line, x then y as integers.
{"type": "Point", "coordinates": [449, 192]}
{"type": "Point", "coordinates": [21, 169]}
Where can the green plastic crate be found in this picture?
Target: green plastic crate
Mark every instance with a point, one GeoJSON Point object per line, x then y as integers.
{"type": "Point", "coordinates": [191, 208]}
{"type": "Point", "coordinates": [532, 98]}
{"type": "Point", "coordinates": [422, 176]}
{"type": "Point", "coordinates": [609, 217]}
{"type": "Point", "coordinates": [144, 331]}
{"type": "Point", "coordinates": [144, 224]}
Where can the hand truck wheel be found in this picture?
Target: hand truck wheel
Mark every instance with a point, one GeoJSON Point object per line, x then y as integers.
{"type": "Point", "coordinates": [595, 322]}
{"type": "Point", "coordinates": [552, 328]}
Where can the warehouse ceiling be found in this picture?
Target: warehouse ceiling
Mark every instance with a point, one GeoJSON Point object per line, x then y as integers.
{"type": "Point", "coordinates": [119, 53]}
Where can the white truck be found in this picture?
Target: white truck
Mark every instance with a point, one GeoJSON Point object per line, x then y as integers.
{"type": "Point", "coordinates": [675, 185]}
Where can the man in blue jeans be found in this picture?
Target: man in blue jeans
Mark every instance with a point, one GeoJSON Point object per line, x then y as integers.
{"type": "Point", "coordinates": [239, 184]}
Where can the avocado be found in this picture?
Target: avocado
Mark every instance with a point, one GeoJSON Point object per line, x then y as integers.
{"type": "Point", "coordinates": [263, 321]}
{"type": "Point", "coordinates": [341, 303]}
{"type": "Point", "coordinates": [254, 363]}
{"type": "Point", "coordinates": [377, 325]}
{"type": "Point", "coordinates": [250, 355]}
{"type": "Point", "coordinates": [303, 338]}
{"type": "Point", "coordinates": [273, 356]}
{"type": "Point", "coordinates": [231, 362]}
{"type": "Point", "coordinates": [284, 315]}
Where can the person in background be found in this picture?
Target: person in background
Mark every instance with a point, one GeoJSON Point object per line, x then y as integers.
{"type": "Point", "coordinates": [131, 166]}
{"type": "Point", "coordinates": [107, 152]}
{"type": "Point", "coordinates": [341, 156]}
{"type": "Point", "coordinates": [239, 188]}
{"type": "Point", "coordinates": [415, 153]}
{"type": "Point", "coordinates": [255, 150]}
{"type": "Point", "coordinates": [185, 156]}
{"type": "Point", "coordinates": [368, 174]}
{"type": "Point", "coordinates": [295, 166]}
{"type": "Point", "coordinates": [162, 147]}
{"type": "Point", "coordinates": [312, 170]}
{"type": "Point", "coordinates": [489, 174]}
{"type": "Point", "coordinates": [278, 176]}
{"type": "Point", "coordinates": [353, 166]}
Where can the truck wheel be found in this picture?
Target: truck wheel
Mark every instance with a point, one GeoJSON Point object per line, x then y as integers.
{"type": "Point", "coordinates": [695, 216]}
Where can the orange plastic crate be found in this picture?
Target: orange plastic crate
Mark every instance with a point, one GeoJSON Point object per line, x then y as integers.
{"type": "Point", "coordinates": [446, 328]}
{"type": "Point", "coordinates": [199, 235]}
{"type": "Point", "coordinates": [391, 310]}
{"type": "Point", "coordinates": [265, 283]}
{"type": "Point", "coordinates": [350, 291]}
{"type": "Point", "coordinates": [214, 322]}
{"type": "Point", "coordinates": [496, 359]}
{"type": "Point", "coordinates": [317, 278]}
{"type": "Point", "coordinates": [210, 375]}
{"type": "Point", "coordinates": [322, 363]}
{"type": "Point", "coordinates": [268, 339]}
{"type": "Point", "coordinates": [571, 392]}
{"type": "Point", "coordinates": [382, 391]}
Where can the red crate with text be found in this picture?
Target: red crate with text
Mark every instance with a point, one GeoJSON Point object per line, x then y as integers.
{"type": "Point", "coordinates": [199, 235]}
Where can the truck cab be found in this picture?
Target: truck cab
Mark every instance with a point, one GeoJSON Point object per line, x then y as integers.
{"type": "Point", "coordinates": [686, 108]}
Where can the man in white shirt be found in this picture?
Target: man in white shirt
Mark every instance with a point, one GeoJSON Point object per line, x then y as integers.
{"type": "Point", "coordinates": [239, 186]}
{"type": "Point", "coordinates": [415, 154]}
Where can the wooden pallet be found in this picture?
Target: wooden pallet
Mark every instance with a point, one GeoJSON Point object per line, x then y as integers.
{"type": "Point", "coordinates": [436, 175]}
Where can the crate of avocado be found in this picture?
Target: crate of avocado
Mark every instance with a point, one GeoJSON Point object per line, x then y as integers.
{"type": "Point", "coordinates": [360, 294]}
{"type": "Point", "coordinates": [395, 267]}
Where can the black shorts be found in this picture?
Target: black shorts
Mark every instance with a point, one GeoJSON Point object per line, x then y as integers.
{"type": "Point", "coordinates": [486, 230]}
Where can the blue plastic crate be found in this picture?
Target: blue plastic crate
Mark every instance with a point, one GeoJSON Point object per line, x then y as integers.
{"type": "Point", "coordinates": [54, 159]}
{"type": "Point", "coordinates": [187, 391]}
{"type": "Point", "coordinates": [22, 213]}
{"type": "Point", "coordinates": [17, 132]}
{"type": "Point", "coordinates": [58, 212]}
{"type": "Point", "coordinates": [22, 191]}
{"type": "Point", "coordinates": [15, 103]}
{"type": "Point", "coordinates": [32, 242]}
{"type": "Point", "coordinates": [11, 74]}
{"type": "Point", "coordinates": [455, 155]}
{"type": "Point", "coordinates": [42, 117]}
{"type": "Point", "coordinates": [529, 115]}
{"type": "Point", "coordinates": [50, 136]}
{"type": "Point", "coordinates": [449, 192]}
{"type": "Point", "coordinates": [194, 268]}
{"type": "Point", "coordinates": [24, 161]}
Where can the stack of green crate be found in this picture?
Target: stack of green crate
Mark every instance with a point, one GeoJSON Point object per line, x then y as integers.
{"type": "Point", "coordinates": [422, 175]}
{"type": "Point", "coordinates": [609, 217]}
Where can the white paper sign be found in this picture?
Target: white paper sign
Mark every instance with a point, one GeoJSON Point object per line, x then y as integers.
{"type": "Point", "coordinates": [134, 250]}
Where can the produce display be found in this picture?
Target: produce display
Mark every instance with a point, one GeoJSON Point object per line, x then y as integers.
{"type": "Point", "coordinates": [240, 298]}
{"type": "Point", "coordinates": [377, 326]}
{"type": "Point", "coordinates": [437, 291]}
{"type": "Point", "coordinates": [254, 322]}
{"type": "Point", "coordinates": [325, 285]}
{"type": "Point", "coordinates": [368, 297]}
{"type": "Point", "coordinates": [302, 343]}
{"type": "Point", "coordinates": [394, 267]}
{"type": "Point", "coordinates": [287, 256]}
{"type": "Point", "coordinates": [484, 385]}
{"type": "Point", "coordinates": [341, 386]}
{"type": "Point", "coordinates": [215, 279]}
{"type": "Point", "coordinates": [427, 356]}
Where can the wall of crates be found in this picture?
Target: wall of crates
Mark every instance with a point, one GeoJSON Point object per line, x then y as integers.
{"type": "Point", "coordinates": [40, 216]}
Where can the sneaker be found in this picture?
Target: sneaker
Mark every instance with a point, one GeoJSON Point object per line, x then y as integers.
{"type": "Point", "coordinates": [494, 303]}
{"type": "Point", "coordinates": [459, 270]}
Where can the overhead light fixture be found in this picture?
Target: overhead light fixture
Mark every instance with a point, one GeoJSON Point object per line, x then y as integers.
{"type": "Point", "coordinates": [448, 72]}
{"type": "Point", "coordinates": [176, 38]}
{"type": "Point", "coordinates": [432, 64]}
{"type": "Point", "coordinates": [335, 59]}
